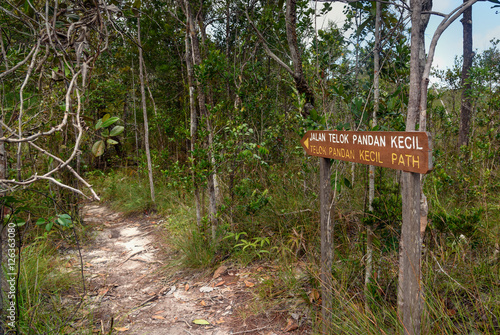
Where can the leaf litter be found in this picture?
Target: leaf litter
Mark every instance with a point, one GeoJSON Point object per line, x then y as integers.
{"type": "Point", "coordinates": [131, 295]}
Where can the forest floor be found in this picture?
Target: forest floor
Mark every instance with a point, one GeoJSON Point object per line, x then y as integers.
{"type": "Point", "coordinates": [131, 291]}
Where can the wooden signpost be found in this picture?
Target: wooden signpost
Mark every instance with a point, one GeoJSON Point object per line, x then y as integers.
{"type": "Point", "coordinates": [406, 151]}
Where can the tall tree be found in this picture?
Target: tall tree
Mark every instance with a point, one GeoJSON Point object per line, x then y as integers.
{"type": "Point", "coordinates": [466, 104]}
{"type": "Point", "coordinates": [193, 129]}
{"type": "Point", "coordinates": [202, 105]}
{"type": "Point", "coordinates": [295, 55]}
{"type": "Point", "coordinates": [371, 171]}
{"type": "Point", "coordinates": [409, 287]}
{"type": "Point", "coordinates": [145, 111]}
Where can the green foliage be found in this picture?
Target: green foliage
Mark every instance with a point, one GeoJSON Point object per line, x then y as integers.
{"type": "Point", "coordinates": [104, 123]}
{"type": "Point", "coordinates": [43, 281]}
{"type": "Point", "coordinates": [458, 222]}
{"type": "Point", "coordinates": [248, 250]}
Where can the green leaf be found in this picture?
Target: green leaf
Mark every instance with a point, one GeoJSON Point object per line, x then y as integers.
{"type": "Point", "coordinates": [98, 148]}
{"type": "Point", "coordinates": [20, 222]}
{"type": "Point", "coordinates": [105, 133]}
{"type": "Point", "coordinates": [98, 124]}
{"type": "Point", "coordinates": [112, 142]}
{"type": "Point", "coordinates": [117, 130]}
{"type": "Point", "coordinates": [110, 121]}
{"type": "Point", "coordinates": [201, 322]}
{"type": "Point", "coordinates": [347, 183]}
{"type": "Point", "coordinates": [49, 225]}
{"type": "Point", "coordinates": [40, 221]}
{"type": "Point", "coordinates": [64, 221]}
{"type": "Point", "coordinates": [105, 117]}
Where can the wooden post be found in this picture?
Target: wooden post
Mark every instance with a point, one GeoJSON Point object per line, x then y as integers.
{"type": "Point", "coordinates": [411, 254]}
{"type": "Point", "coordinates": [326, 244]}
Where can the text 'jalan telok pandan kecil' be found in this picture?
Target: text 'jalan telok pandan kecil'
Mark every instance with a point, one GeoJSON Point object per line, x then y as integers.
{"type": "Point", "coordinates": [408, 151]}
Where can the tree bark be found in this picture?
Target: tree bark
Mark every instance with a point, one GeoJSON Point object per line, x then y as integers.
{"type": "Point", "coordinates": [202, 101]}
{"type": "Point", "coordinates": [193, 125]}
{"type": "Point", "coordinates": [145, 112]}
{"type": "Point", "coordinates": [371, 176]}
{"type": "Point", "coordinates": [466, 105]}
{"type": "Point", "coordinates": [409, 295]}
{"type": "Point", "coordinates": [298, 74]}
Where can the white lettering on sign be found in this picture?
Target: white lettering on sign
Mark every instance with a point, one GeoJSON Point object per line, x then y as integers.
{"type": "Point", "coordinates": [317, 137]}
{"type": "Point", "coordinates": [405, 142]}
{"type": "Point", "coordinates": [378, 141]}
{"type": "Point", "coordinates": [339, 138]}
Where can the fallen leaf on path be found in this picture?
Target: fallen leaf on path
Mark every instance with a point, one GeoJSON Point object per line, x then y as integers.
{"type": "Point", "coordinates": [159, 312]}
{"type": "Point", "coordinates": [186, 288]}
{"type": "Point", "coordinates": [314, 295]}
{"type": "Point", "coordinates": [102, 292]}
{"type": "Point", "coordinates": [220, 283]}
{"type": "Point", "coordinates": [221, 320]}
{"type": "Point", "coordinates": [249, 283]}
{"type": "Point", "coordinates": [291, 325]}
{"type": "Point", "coordinates": [219, 271]}
{"type": "Point", "coordinates": [122, 329]}
{"type": "Point", "coordinates": [172, 290]}
{"type": "Point", "coordinates": [158, 317]}
{"type": "Point", "coordinates": [203, 303]}
{"type": "Point", "coordinates": [201, 322]}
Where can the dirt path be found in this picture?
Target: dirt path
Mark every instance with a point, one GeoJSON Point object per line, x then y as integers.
{"type": "Point", "coordinates": [128, 291]}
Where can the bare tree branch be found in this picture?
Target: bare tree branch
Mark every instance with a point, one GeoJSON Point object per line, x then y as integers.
{"type": "Point", "coordinates": [266, 47]}
{"type": "Point", "coordinates": [447, 20]}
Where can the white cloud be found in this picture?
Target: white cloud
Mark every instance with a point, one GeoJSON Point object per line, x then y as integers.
{"type": "Point", "coordinates": [336, 15]}
{"type": "Point", "coordinates": [482, 40]}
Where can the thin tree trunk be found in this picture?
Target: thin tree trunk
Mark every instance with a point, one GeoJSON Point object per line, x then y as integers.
{"type": "Point", "coordinates": [291, 35]}
{"type": "Point", "coordinates": [371, 186]}
{"type": "Point", "coordinates": [409, 295]}
{"type": "Point", "coordinates": [135, 114]}
{"type": "Point", "coordinates": [202, 100]}
{"type": "Point", "coordinates": [4, 54]}
{"type": "Point", "coordinates": [193, 126]}
{"type": "Point", "coordinates": [145, 112]}
{"type": "Point", "coordinates": [466, 105]}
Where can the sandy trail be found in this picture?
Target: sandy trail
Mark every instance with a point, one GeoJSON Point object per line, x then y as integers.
{"type": "Point", "coordinates": [125, 284]}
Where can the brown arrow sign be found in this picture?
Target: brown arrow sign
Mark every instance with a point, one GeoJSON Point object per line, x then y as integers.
{"type": "Point", "coordinates": [407, 151]}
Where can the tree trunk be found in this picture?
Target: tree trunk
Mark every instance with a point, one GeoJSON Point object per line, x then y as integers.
{"type": "Point", "coordinates": [135, 114]}
{"type": "Point", "coordinates": [371, 186]}
{"type": "Point", "coordinates": [145, 112]}
{"type": "Point", "coordinates": [202, 100]}
{"type": "Point", "coordinates": [409, 294]}
{"type": "Point", "coordinates": [298, 73]}
{"type": "Point", "coordinates": [466, 105]}
{"type": "Point", "coordinates": [193, 125]}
